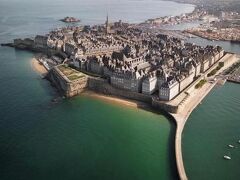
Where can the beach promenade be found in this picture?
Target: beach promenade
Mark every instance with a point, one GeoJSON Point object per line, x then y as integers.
{"type": "Point", "coordinates": [195, 96]}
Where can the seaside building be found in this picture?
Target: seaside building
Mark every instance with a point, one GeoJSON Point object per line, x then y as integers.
{"type": "Point", "coordinates": [129, 80]}
{"type": "Point", "coordinates": [149, 84]}
{"type": "Point", "coordinates": [169, 90]}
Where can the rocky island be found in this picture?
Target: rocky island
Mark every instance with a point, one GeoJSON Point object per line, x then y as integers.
{"type": "Point", "coordinates": [70, 20]}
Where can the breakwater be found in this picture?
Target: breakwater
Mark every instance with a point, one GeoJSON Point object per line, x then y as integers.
{"type": "Point", "coordinates": [181, 119]}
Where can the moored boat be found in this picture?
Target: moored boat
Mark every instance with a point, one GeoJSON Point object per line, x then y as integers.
{"type": "Point", "coordinates": [227, 157]}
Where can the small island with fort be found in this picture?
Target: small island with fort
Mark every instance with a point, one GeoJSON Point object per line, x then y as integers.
{"type": "Point", "coordinates": [70, 20]}
{"type": "Point", "coordinates": [134, 61]}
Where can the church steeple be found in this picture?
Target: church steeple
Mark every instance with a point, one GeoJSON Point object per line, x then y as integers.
{"type": "Point", "coordinates": [107, 25]}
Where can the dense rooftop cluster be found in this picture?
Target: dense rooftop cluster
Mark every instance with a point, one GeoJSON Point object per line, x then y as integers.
{"type": "Point", "coordinates": [131, 58]}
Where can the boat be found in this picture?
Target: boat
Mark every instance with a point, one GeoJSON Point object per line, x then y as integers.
{"type": "Point", "coordinates": [227, 157]}
{"type": "Point", "coordinates": [239, 141]}
{"type": "Point", "coordinates": [231, 146]}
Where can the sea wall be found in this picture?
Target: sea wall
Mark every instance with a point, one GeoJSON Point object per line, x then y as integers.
{"type": "Point", "coordinates": [163, 106]}
{"type": "Point", "coordinates": [101, 85]}
{"type": "Point", "coordinates": [28, 44]}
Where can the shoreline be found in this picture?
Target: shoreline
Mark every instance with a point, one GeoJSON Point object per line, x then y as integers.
{"type": "Point", "coordinates": [117, 100]}
{"type": "Point", "coordinates": [37, 67]}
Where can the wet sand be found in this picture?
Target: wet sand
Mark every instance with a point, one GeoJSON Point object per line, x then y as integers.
{"type": "Point", "coordinates": [117, 100]}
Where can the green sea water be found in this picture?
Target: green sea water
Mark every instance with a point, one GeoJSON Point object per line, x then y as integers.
{"type": "Point", "coordinates": [210, 129]}
{"type": "Point", "coordinates": [78, 138]}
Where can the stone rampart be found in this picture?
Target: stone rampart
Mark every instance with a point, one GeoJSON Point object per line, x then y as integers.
{"type": "Point", "coordinates": [66, 87]}
{"type": "Point", "coordinates": [163, 106]}
{"type": "Point", "coordinates": [102, 86]}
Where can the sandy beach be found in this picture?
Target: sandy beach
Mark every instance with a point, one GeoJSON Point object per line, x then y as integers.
{"type": "Point", "coordinates": [116, 100]}
{"type": "Point", "coordinates": [38, 67]}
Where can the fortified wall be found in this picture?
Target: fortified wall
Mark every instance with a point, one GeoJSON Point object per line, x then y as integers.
{"type": "Point", "coordinates": [161, 105]}
{"type": "Point", "coordinates": [102, 86]}
{"type": "Point", "coordinates": [65, 80]}
{"type": "Point", "coordinates": [67, 86]}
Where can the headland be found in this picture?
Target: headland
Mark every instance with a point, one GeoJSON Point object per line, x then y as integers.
{"type": "Point", "coordinates": [129, 61]}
